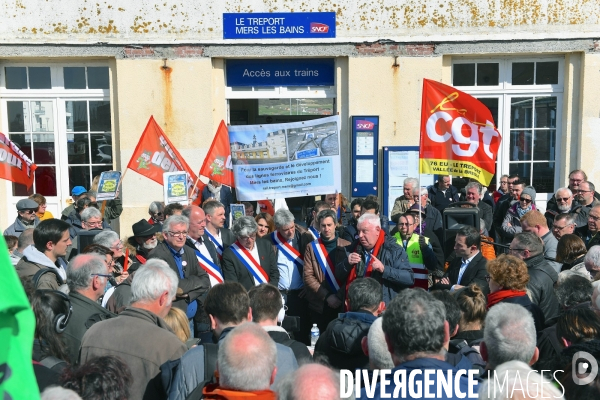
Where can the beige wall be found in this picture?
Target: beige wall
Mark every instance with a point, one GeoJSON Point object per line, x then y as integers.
{"type": "Point", "coordinates": [589, 140]}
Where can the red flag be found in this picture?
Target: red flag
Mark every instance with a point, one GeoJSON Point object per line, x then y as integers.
{"type": "Point", "coordinates": [155, 155]}
{"type": "Point", "coordinates": [217, 164]}
{"type": "Point", "coordinates": [266, 207]}
{"type": "Point", "coordinates": [15, 166]}
{"type": "Point", "coordinates": [458, 135]}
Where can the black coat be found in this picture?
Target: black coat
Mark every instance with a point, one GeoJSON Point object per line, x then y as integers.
{"type": "Point", "coordinates": [212, 250]}
{"type": "Point", "coordinates": [195, 284]}
{"type": "Point", "coordinates": [227, 237]}
{"type": "Point", "coordinates": [475, 273]}
{"type": "Point", "coordinates": [235, 271]}
{"type": "Point", "coordinates": [542, 278]}
{"type": "Point", "coordinates": [226, 199]}
{"type": "Point", "coordinates": [536, 312]}
{"type": "Point", "coordinates": [584, 234]}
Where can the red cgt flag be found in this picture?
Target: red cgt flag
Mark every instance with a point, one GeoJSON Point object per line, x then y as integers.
{"type": "Point", "coordinates": [217, 164]}
{"type": "Point", "coordinates": [458, 135]}
{"type": "Point", "coordinates": [155, 155]}
{"type": "Point", "coordinates": [15, 166]}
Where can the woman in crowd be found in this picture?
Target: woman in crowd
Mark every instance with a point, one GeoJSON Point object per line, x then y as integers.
{"type": "Point", "coordinates": [265, 224]}
{"type": "Point", "coordinates": [508, 278]}
{"type": "Point", "coordinates": [41, 212]}
{"type": "Point", "coordinates": [106, 377]}
{"type": "Point", "coordinates": [571, 252]}
{"type": "Point", "coordinates": [472, 303]}
{"type": "Point", "coordinates": [512, 221]}
{"type": "Point", "coordinates": [180, 325]}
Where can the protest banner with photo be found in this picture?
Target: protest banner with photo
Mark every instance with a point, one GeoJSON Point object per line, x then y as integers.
{"type": "Point", "coordinates": [458, 135]}
{"type": "Point", "coordinates": [174, 185]}
{"type": "Point", "coordinates": [108, 185]}
{"type": "Point", "coordinates": [286, 160]}
{"type": "Point", "coordinates": [15, 166]}
{"type": "Point", "coordinates": [155, 154]}
{"type": "Point", "coordinates": [217, 164]}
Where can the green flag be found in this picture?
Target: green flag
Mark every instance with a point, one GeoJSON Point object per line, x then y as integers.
{"type": "Point", "coordinates": [17, 326]}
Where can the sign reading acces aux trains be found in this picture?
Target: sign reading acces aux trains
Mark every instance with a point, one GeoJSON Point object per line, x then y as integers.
{"type": "Point", "coordinates": [301, 25]}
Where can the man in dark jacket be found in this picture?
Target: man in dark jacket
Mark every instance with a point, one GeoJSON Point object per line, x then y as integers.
{"type": "Point", "coordinates": [442, 194]}
{"type": "Point", "coordinates": [267, 311]}
{"type": "Point", "coordinates": [87, 277]}
{"type": "Point", "coordinates": [193, 280]}
{"type": "Point", "coordinates": [542, 277]}
{"type": "Point", "coordinates": [221, 193]}
{"type": "Point", "coordinates": [589, 232]}
{"type": "Point", "coordinates": [350, 232]}
{"type": "Point", "coordinates": [216, 231]}
{"type": "Point", "coordinates": [378, 256]}
{"type": "Point", "coordinates": [341, 344]}
{"type": "Point", "coordinates": [139, 336]}
{"type": "Point", "coordinates": [26, 218]}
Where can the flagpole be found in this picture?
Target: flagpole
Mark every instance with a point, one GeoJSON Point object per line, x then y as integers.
{"type": "Point", "coordinates": [194, 188]}
{"type": "Point", "coordinates": [122, 177]}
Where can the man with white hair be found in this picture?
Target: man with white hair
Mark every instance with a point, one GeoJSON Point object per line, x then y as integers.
{"type": "Point", "coordinates": [193, 281]}
{"type": "Point", "coordinates": [139, 336]}
{"type": "Point", "coordinates": [563, 205]}
{"type": "Point", "coordinates": [378, 256]}
{"type": "Point", "coordinates": [509, 335]}
{"type": "Point", "coordinates": [592, 261]}
{"type": "Point", "coordinates": [403, 203]}
{"type": "Point", "coordinates": [376, 349]}
{"type": "Point", "coordinates": [156, 211]}
{"type": "Point", "coordinates": [310, 381]}
{"type": "Point", "coordinates": [143, 240]}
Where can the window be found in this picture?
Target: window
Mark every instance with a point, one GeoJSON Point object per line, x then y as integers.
{"type": "Point", "coordinates": [320, 107]}
{"type": "Point", "coordinates": [524, 97]}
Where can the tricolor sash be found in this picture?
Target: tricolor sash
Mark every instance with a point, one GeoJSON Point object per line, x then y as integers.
{"type": "Point", "coordinates": [249, 262]}
{"type": "Point", "coordinates": [210, 267]}
{"type": "Point", "coordinates": [215, 241]}
{"type": "Point", "coordinates": [287, 249]}
{"type": "Point", "coordinates": [325, 263]}
{"type": "Point", "coordinates": [314, 232]}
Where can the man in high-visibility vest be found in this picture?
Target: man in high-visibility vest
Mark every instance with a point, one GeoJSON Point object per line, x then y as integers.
{"type": "Point", "coordinates": [420, 254]}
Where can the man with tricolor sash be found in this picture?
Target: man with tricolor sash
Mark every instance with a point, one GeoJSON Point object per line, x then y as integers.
{"type": "Point", "coordinates": [208, 260]}
{"type": "Point", "coordinates": [286, 242]}
{"type": "Point", "coordinates": [378, 256]}
{"type": "Point", "coordinates": [324, 284]}
{"type": "Point", "coordinates": [314, 229]}
{"type": "Point", "coordinates": [249, 261]}
{"type": "Point", "coordinates": [216, 232]}
{"type": "Point", "coordinates": [417, 247]}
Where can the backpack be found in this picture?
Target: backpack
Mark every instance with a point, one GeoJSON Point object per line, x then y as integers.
{"type": "Point", "coordinates": [36, 278]}
{"type": "Point", "coordinates": [460, 346]}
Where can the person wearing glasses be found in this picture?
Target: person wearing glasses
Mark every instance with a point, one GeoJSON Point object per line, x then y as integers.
{"type": "Point", "coordinates": [564, 224]}
{"type": "Point", "coordinates": [542, 277]}
{"type": "Point", "coordinates": [512, 221]}
{"type": "Point", "coordinates": [589, 233]}
{"type": "Point", "coordinates": [26, 218]}
{"type": "Point", "coordinates": [87, 277]}
{"type": "Point", "coordinates": [249, 261]}
{"type": "Point", "coordinates": [156, 211]}
{"type": "Point", "coordinates": [502, 189]}
{"type": "Point", "coordinates": [585, 197]}
{"type": "Point", "coordinates": [508, 279]}
{"type": "Point", "coordinates": [564, 204]}
{"type": "Point", "coordinates": [193, 280]}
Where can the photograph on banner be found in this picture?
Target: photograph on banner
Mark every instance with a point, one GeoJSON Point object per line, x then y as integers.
{"type": "Point", "coordinates": [175, 187]}
{"type": "Point", "coordinates": [108, 185]}
{"type": "Point", "coordinates": [237, 211]}
{"type": "Point", "coordinates": [286, 160]}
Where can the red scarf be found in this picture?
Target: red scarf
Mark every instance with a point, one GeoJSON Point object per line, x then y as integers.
{"type": "Point", "coordinates": [369, 268]}
{"type": "Point", "coordinates": [500, 295]}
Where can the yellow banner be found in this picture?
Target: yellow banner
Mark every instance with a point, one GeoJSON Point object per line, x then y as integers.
{"type": "Point", "coordinates": [456, 168]}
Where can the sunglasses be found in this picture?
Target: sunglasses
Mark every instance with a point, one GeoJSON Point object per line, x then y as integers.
{"type": "Point", "coordinates": [527, 201]}
{"type": "Point", "coordinates": [28, 211]}
{"type": "Point", "coordinates": [563, 199]}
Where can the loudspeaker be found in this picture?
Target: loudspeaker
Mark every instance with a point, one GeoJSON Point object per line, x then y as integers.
{"type": "Point", "coordinates": [454, 219]}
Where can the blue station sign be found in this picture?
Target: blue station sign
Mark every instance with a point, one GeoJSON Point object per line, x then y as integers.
{"type": "Point", "coordinates": [280, 72]}
{"type": "Point", "coordinates": [300, 25]}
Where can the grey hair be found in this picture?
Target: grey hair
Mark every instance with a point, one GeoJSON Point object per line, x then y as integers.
{"type": "Point", "coordinates": [151, 280]}
{"type": "Point", "coordinates": [568, 218]}
{"type": "Point", "coordinates": [106, 238]}
{"type": "Point", "coordinates": [509, 334]}
{"type": "Point", "coordinates": [155, 207]}
{"type": "Point", "coordinates": [249, 369]}
{"type": "Point", "coordinates": [513, 374]}
{"type": "Point", "coordinates": [420, 191]}
{"type": "Point", "coordinates": [329, 213]}
{"type": "Point", "coordinates": [414, 182]}
{"type": "Point", "coordinates": [563, 189]}
{"type": "Point", "coordinates": [531, 242]}
{"type": "Point", "coordinates": [283, 218]}
{"type": "Point", "coordinates": [379, 355]}
{"type": "Point", "coordinates": [175, 220]}
{"type": "Point", "coordinates": [475, 185]}
{"type": "Point", "coordinates": [81, 268]}
{"type": "Point", "coordinates": [370, 219]}
{"type": "Point", "coordinates": [59, 393]}
{"type": "Point", "coordinates": [310, 381]}
{"type": "Point", "coordinates": [592, 258]}
{"type": "Point", "coordinates": [414, 323]}
{"type": "Point", "coordinates": [244, 226]}
{"type": "Point", "coordinates": [567, 273]}
{"type": "Point", "coordinates": [211, 206]}
{"type": "Point", "coordinates": [90, 212]}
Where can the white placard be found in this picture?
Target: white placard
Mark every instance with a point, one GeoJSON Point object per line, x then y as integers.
{"type": "Point", "coordinates": [364, 170]}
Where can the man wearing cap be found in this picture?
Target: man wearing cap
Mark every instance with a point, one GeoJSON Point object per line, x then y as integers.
{"type": "Point", "coordinates": [143, 240]}
{"type": "Point", "coordinates": [76, 194]}
{"type": "Point", "coordinates": [26, 219]}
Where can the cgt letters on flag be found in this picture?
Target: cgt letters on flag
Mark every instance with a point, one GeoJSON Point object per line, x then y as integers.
{"type": "Point", "coordinates": [15, 166]}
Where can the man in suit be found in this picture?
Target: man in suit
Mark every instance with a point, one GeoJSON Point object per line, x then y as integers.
{"type": "Point", "coordinates": [220, 236]}
{"type": "Point", "coordinates": [221, 193]}
{"type": "Point", "coordinates": [249, 261]}
{"type": "Point", "coordinates": [469, 266]}
{"type": "Point", "coordinates": [207, 259]}
{"type": "Point", "coordinates": [193, 280]}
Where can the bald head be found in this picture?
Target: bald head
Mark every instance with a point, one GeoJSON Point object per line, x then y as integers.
{"type": "Point", "coordinates": [197, 221]}
{"type": "Point", "coordinates": [247, 358]}
{"type": "Point", "coordinates": [310, 381]}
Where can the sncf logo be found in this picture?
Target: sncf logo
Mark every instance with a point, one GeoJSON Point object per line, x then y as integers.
{"type": "Point", "coordinates": [317, 27]}
{"type": "Point", "coordinates": [364, 125]}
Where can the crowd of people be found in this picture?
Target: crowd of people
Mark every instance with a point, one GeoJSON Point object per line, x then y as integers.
{"type": "Point", "coordinates": [198, 304]}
